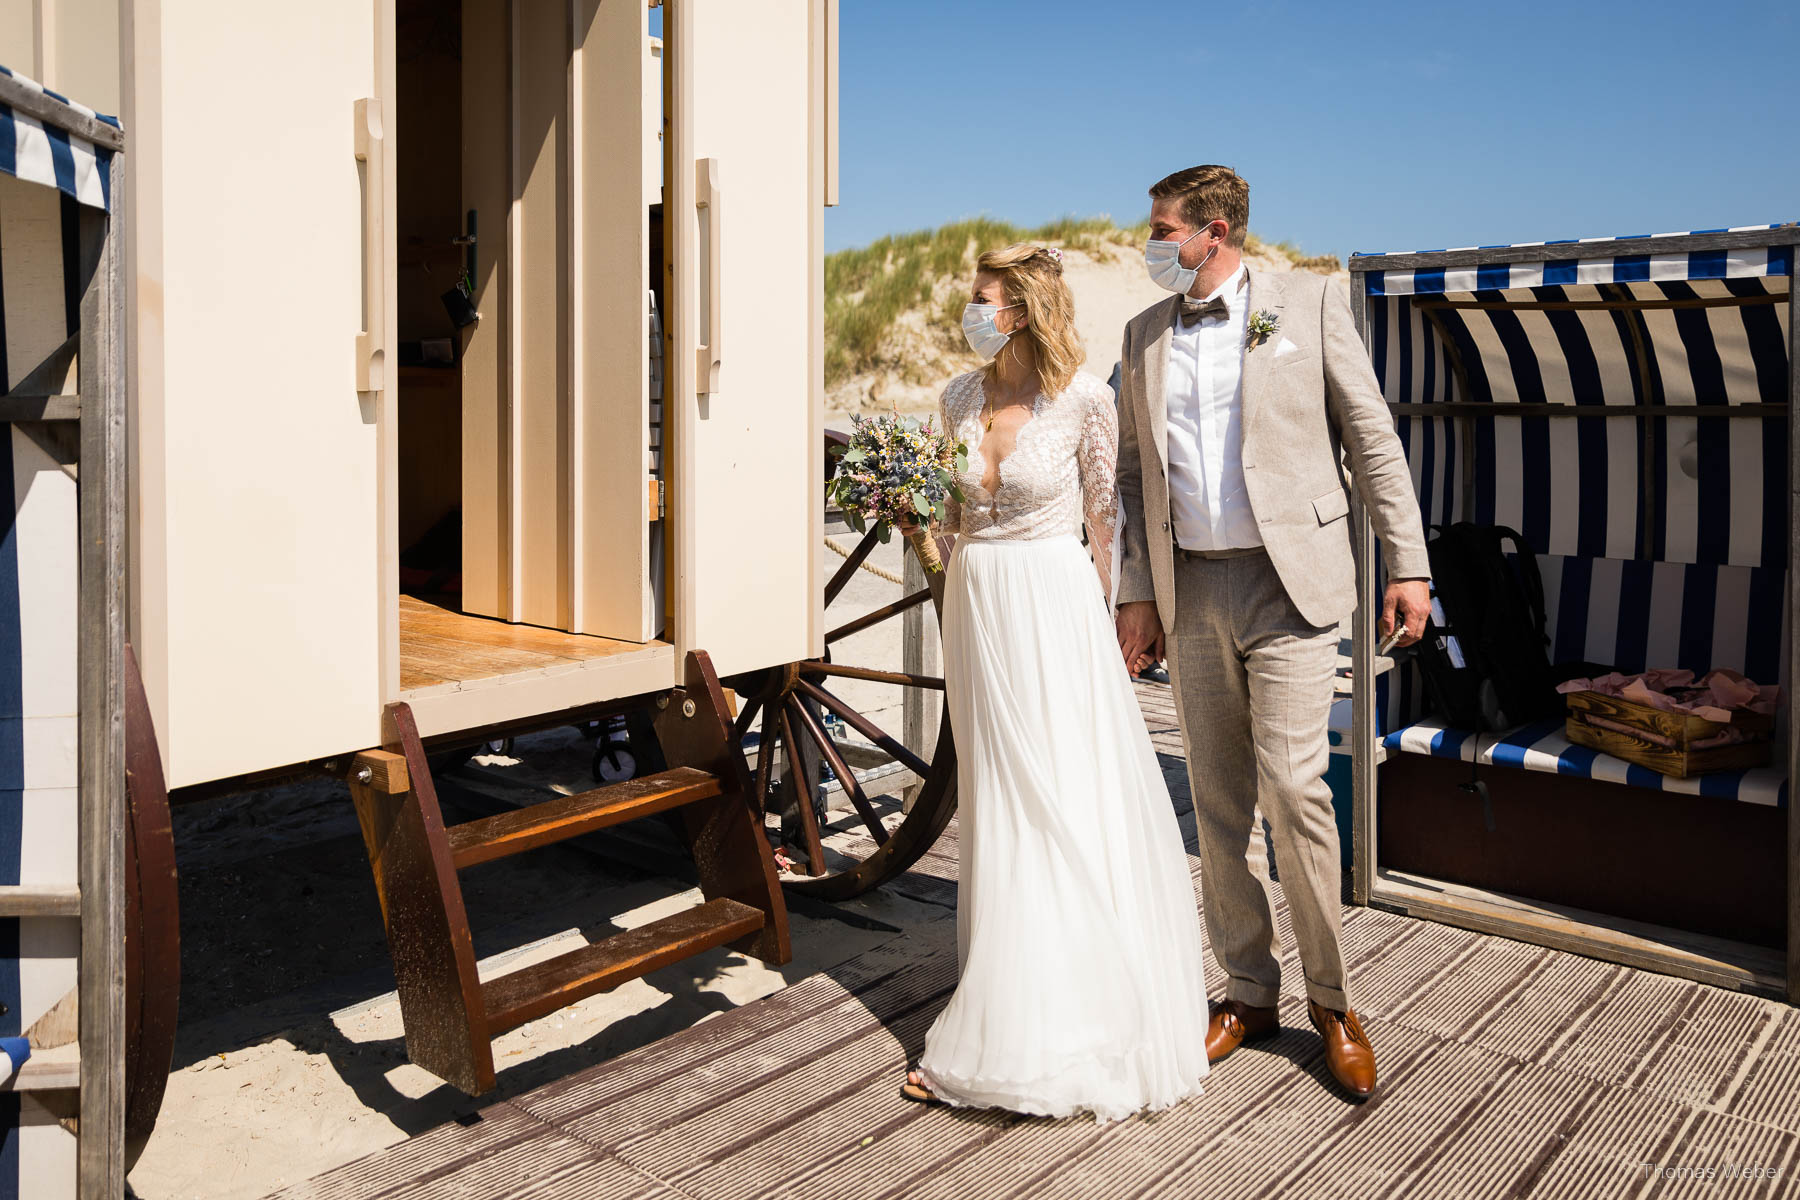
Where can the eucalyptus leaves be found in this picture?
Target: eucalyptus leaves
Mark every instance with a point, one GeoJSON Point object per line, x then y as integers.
{"type": "Point", "coordinates": [1263, 325]}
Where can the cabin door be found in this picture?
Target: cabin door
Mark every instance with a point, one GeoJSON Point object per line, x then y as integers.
{"type": "Point", "coordinates": [746, 492]}
{"type": "Point", "coordinates": [555, 442]}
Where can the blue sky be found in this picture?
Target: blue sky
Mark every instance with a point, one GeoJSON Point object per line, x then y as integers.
{"type": "Point", "coordinates": [1373, 126]}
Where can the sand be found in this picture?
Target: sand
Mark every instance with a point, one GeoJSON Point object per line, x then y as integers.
{"type": "Point", "coordinates": [291, 1056]}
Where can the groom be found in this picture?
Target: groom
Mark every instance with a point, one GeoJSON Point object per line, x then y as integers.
{"type": "Point", "coordinates": [1239, 398]}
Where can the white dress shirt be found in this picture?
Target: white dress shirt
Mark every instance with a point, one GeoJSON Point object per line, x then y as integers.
{"type": "Point", "coordinates": [1204, 392]}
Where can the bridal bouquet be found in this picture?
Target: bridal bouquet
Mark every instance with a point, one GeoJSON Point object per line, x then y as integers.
{"type": "Point", "coordinates": [897, 468]}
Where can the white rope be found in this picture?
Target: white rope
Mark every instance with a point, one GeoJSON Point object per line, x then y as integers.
{"type": "Point", "coordinates": [873, 570]}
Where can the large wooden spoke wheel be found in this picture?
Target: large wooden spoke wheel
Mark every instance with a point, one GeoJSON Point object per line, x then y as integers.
{"type": "Point", "coordinates": [877, 837]}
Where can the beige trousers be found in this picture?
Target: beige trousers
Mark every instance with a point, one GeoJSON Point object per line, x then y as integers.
{"type": "Point", "coordinates": [1253, 691]}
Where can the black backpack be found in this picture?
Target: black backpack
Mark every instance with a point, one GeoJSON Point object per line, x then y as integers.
{"type": "Point", "coordinates": [1483, 654]}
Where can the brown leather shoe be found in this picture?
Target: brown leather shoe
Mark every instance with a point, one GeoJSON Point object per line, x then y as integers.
{"type": "Point", "coordinates": [1347, 1050]}
{"type": "Point", "coordinates": [1233, 1023]}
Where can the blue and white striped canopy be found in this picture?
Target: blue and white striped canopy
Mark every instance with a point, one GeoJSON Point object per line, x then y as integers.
{"type": "Point", "coordinates": [1565, 379]}
{"type": "Point", "coordinates": [1588, 261]}
{"type": "Point", "coordinates": [1611, 333]}
{"type": "Point", "coordinates": [38, 153]}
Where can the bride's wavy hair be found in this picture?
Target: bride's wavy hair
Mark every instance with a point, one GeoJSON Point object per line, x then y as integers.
{"type": "Point", "coordinates": [1033, 276]}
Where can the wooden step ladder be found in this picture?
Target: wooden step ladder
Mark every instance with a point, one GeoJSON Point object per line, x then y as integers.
{"type": "Point", "coordinates": [451, 1015]}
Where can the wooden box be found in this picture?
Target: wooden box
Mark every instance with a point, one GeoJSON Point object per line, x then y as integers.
{"type": "Point", "coordinates": [1669, 748]}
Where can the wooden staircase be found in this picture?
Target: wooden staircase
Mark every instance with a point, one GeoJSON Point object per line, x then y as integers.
{"type": "Point", "coordinates": [451, 1015]}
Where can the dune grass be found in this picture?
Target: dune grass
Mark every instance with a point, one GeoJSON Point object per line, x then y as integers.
{"type": "Point", "coordinates": [868, 288]}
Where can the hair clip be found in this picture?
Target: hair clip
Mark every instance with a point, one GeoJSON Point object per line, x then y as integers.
{"type": "Point", "coordinates": [1053, 252]}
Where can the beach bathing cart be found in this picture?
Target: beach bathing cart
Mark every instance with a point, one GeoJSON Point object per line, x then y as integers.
{"type": "Point", "coordinates": [1625, 404]}
{"type": "Point", "coordinates": [475, 387]}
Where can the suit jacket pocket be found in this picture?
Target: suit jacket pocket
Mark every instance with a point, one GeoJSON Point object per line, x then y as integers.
{"type": "Point", "coordinates": [1331, 506]}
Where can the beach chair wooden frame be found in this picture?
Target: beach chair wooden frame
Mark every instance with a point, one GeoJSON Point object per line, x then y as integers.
{"type": "Point", "coordinates": [96, 412]}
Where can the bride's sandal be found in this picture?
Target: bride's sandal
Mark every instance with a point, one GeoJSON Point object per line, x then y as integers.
{"type": "Point", "coordinates": [914, 1089]}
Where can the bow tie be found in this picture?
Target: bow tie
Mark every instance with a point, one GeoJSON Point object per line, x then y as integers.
{"type": "Point", "coordinates": [1193, 310]}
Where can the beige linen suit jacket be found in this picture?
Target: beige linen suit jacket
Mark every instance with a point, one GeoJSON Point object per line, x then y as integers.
{"type": "Point", "coordinates": [1306, 410]}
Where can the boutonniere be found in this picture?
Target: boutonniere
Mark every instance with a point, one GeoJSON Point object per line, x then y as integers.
{"type": "Point", "coordinates": [1263, 325]}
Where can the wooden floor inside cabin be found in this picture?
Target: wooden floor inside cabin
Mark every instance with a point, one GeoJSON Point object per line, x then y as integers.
{"type": "Point", "coordinates": [441, 645]}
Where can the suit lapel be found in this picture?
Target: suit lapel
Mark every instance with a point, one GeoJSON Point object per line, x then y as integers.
{"type": "Point", "coordinates": [1265, 294]}
{"type": "Point", "coordinates": [1156, 367]}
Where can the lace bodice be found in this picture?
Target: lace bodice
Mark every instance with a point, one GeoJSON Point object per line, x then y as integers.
{"type": "Point", "coordinates": [1058, 477]}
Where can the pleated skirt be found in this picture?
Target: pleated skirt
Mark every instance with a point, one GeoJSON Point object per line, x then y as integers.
{"type": "Point", "coordinates": [1081, 985]}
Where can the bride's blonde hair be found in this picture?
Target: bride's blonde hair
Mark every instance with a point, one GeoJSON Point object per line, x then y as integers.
{"type": "Point", "coordinates": [1033, 276]}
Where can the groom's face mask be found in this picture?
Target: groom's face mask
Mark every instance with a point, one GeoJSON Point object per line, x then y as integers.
{"type": "Point", "coordinates": [1162, 259]}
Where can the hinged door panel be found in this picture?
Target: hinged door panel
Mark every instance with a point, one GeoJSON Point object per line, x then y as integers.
{"type": "Point", "coordinates": [748, 496]}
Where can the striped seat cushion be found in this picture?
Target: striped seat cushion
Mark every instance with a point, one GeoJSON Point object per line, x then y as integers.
{"type": "Point", "coordinates": [1541, 746]}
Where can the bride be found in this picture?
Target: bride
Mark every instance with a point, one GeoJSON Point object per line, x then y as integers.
{"type": "Point", "coordinates": [1078, 939]}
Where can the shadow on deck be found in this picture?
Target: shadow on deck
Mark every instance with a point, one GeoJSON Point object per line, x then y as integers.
{"type": "Point", "coordinates": [1507, 1070]}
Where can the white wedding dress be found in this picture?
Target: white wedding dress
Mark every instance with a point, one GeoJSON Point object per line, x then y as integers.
{"type": "Point", "coordinates": [1081, 986]}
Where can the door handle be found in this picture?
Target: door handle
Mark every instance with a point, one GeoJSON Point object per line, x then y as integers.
{"type": "Point", "coordinates": [371, 359]}
{"type": "Point", "coordinates": [706, 198]}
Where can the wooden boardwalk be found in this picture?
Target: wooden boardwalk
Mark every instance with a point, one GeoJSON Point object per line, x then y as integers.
{"type": "Point", "coordinates": [1506, 1070]}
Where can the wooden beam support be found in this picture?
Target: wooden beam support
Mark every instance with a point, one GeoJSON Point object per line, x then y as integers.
{"type": "Point", "coordinates": [422, 908]}
{"type": "Point", "coordinates": [1633, 303]}
{"type": "Point", "coordinates": [100, 669]}
{"type": "Point", "coordinates": [1483, 408]}
{"type": "Point", "coordinates": [33, 103]}
{"type": "Point", "coordinates": [40, 900]}
{"type": "Point", "coordinates": [730, 852]}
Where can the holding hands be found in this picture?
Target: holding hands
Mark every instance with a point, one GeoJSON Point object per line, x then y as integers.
{"type": "Point", "coordinates": [1140, 634]}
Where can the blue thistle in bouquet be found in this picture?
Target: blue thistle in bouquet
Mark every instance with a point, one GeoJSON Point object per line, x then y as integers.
{"type": "Point", "coordinates": [897, 468]}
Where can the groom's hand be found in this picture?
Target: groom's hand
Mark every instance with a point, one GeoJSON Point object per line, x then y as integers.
{"type": "Point", "coordinates": [1140, 634]}
{"type": "Point", "coordinates": [1409, 600]}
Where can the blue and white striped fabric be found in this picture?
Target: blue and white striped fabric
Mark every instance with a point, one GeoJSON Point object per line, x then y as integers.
{"type": "Point", "coordinates": [1716, 487]}
{"type": "Point", "coordinates": [32, 151]}
{"type": "Point", "coordinates": [1590, 261]}
{"type": "Point", "coordinates": [1542, 746]}
{"type": "Point", "coordinates": [1662, 540]}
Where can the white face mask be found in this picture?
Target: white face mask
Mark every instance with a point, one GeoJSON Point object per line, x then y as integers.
{"type": "Point", "coordinates": [1163, 260]}
{"type": "Point", "coordinates": [978, 326]}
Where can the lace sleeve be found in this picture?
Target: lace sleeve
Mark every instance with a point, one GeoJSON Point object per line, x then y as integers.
{"type": "Point", "coordinates": [1098, 457]}
{"type": "Point", "coordinates": [947, 422]}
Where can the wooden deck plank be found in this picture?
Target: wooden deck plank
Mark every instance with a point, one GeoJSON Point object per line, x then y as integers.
{"type": "Point", "coordinates": [1603, 1153]}
{"type": "Point", "coordinates": [1507, 1070]}
{"type": "Point", "coordinates": [1770, 1091]}
{"type": "Point", "coordinates": [730, 1066]}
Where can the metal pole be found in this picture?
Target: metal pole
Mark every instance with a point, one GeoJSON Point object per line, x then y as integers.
{"type": "Point", "coordinates": [1362, 668]}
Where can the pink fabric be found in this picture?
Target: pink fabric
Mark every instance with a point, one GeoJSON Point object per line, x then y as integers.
{"type": "Point", "coordinates": [1713, 698]}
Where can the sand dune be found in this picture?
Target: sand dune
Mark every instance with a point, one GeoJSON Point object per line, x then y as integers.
{"type": "Point", "coordinates": [1110, 287]}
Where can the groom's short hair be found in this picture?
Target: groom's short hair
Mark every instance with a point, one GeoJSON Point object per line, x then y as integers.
{"type": "Point", "coordinates": [1209, 193]}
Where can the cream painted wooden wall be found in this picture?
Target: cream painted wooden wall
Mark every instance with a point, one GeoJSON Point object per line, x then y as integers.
{"type": "Point", "coordinates": [69, 46]}
{"type": "Point", "coordinates": [555, 389]}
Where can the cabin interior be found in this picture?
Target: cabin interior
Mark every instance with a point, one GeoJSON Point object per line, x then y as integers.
{"type": "Point", "coordinates": [530, 285]}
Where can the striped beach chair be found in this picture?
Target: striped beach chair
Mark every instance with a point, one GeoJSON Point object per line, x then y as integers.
{"type": "Point", "coordinates": [1623, 403]}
